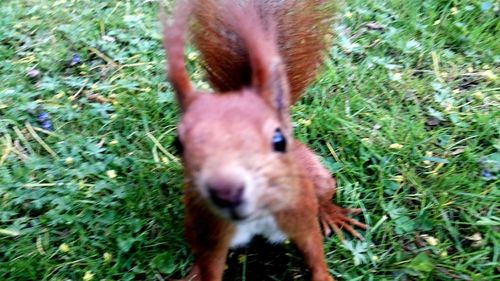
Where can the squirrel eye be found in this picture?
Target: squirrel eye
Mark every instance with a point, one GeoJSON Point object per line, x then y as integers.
{"type": "Point", "coordinates": [177, 144]}
{"type": "Point", "coordinates": [279, 141]}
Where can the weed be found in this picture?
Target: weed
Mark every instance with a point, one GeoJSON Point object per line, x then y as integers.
{"type": "Point", "coordinates": [405, 114]}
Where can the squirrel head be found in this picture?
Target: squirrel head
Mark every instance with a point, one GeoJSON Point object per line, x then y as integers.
{"type": "Point", "coordinates": [236, 153]}
{"type": "Point", "coordinates": [236, 145]}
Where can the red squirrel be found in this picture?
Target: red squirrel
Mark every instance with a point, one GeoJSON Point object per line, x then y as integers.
{"type": "Point", "coordinates": [245, 174]}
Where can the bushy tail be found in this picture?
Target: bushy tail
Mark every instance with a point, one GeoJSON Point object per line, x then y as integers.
{"type": "Point", "coordinates": [300, 26]}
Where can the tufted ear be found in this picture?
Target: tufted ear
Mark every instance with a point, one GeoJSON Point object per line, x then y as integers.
{"type": "Point", "coordinates": [174, 39]}
{"type": "Point", "coordinates": [267, 69]}
{"type": "Point", "coordinates": [270, 81]}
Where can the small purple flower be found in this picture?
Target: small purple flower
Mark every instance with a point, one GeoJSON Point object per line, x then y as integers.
{"type": "Point", "coordinates": [75, 59]}
{"type": "Point", "coordinates": [33, 73]}
{"type": "Point", "coordinates": [46, 125]}
{"type": "Point", "coordinates": [42, 116]}
{"type": "Point", "coordinates": [486, 174]}
{"type": "Point", "coordinates": [43, 119]}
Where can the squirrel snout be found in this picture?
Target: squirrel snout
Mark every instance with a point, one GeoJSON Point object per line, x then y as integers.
{"type": "Point", "coordinates": [226, 194]}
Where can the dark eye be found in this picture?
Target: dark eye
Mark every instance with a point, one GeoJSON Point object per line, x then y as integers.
{"type": "Point", "coordinates": [279, 141]}
{"type": "Point", "coordinates": [177, 144]}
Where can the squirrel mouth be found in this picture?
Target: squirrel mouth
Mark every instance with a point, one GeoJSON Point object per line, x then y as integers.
{"type": "Point", "coordinates": [234, 214]}
{"type": "Point", "coordinates": [237, 216]}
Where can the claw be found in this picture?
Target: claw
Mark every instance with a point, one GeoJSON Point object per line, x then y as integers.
{"type": "Point", "coordinates": [354, 211]}
{"type": "Point", "coordinates": [333, 217]}
{"type": "Point", "coordinates": [338, 232]}
{"type": "Point", "coordinates": [327, 231]}
{"type": "Point", "coordinates": [351, 230]}
{"type": "Point", "coordinates": [356, 223]}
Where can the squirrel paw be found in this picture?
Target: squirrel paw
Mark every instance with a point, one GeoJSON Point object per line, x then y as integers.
{"type": "Point", "coordinates": [333, 217]}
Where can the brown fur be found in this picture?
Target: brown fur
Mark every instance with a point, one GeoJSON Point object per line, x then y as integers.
{"type": "Point", "coordinates": [227, 139]}
{"type": "Point", "coordinates": [301, 28]}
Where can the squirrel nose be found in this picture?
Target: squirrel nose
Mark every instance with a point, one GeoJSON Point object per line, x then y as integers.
{"type": "Point", "coordinates": [225, 193]}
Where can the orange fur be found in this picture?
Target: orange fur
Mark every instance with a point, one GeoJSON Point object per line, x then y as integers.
{"type": "Point", "coordinates": [244, 171]}
{"type": "Point", "coordinates": [300, 27]}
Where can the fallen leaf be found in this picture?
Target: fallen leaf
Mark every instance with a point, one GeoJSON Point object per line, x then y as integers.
{"type": "Point", "coordinates": [374, 26]}
{"type": "Point", "coordinates": [432, 121]}
{"type": "Point", "coordinates": [33, 73]}
{"type": "Point", "coordinates": [97, 98]}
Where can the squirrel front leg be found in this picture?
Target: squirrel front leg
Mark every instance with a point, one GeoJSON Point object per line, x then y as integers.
{"type": "Point", "coordinates": [324, 184]}
{"type": "Point", "coordinates": [209, 238]}
{"type": "Point", "coordinates": [311, 247]}
{"type": "Point", "coordinates": [300, 223]}
{"type": "Point", "coordinates": [208, 266]}
{"type": "Point", "coordinates": [331, 216]}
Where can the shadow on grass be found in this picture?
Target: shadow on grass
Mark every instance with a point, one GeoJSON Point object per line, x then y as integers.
{"type": "Point", "coordinates": [261, 261]}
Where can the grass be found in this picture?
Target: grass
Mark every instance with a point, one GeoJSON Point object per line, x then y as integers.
{"type": "Point", "coordinates": [405, 115]}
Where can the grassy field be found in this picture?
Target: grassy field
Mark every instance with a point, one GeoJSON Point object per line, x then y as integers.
{"type": "Point", "coordinates": [406, 115]}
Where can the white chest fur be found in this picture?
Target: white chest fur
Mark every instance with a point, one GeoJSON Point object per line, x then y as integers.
{"type": "Point", "coordinates": [265, 226]}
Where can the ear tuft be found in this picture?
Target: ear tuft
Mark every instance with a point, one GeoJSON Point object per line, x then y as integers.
{"type": "Point", "coordinates": [259, 38]}
{"type": "Point", "coordinates": [174, 39]}
{"type": "Point", "coordinates": [278, 87]}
